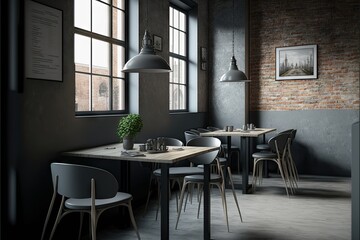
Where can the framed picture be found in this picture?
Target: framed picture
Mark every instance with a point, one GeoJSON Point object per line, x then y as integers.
{"type": "Point", "coordinates": [203, 54]}
{"type": "Point", "coordinates": [298, 62]}
{"type": "Point", "coordinates": [157, 43]}
{"type": "Point", "coordinates": [203, 59]}
{"type": "Point", "coordinates": [204, 66]}
{"type": "Point", "coordinates": [44, 46]}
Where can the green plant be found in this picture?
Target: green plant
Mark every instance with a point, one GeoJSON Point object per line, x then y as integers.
{"type": "Point", "coordinates": [129, 126]}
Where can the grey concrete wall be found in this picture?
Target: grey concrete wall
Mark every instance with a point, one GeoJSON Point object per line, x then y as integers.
{"type": "Point", "coordinates": [355, 169]}
{"type": "Point", "coordinates": [228, 101]}
{"type": "Point", "coordinates": [323, 141]}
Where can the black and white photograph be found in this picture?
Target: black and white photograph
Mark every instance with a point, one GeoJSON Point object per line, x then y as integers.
{"type": "Point", "coordinates": [298, 62]}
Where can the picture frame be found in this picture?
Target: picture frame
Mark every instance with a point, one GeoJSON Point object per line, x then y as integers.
{"type": "Point", "coordinates": [43, 57]}
{"type": "Point", "coordinates": [204, 66]}
{"type": "Point", "coordinates": [203, 54]}
{"type": "Point", "coordinates": [157, 42]}
{"type": "Point", "coordinates": [203, 58]}
{"type": "Point", "coordinates": [296, 62]}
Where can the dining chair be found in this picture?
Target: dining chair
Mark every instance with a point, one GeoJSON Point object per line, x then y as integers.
{"type": "Point", "coordinates": [264, 146]}
{"type": "Point", "coordinates": [226, 153]}
{"type": "Point", "coordinates": [176, 173]}
{"type": "Point", "coordinates": [190, 135]}
{"type": "Point", "coordinates": [85, 189]}
{"type": "Point", "coordinates": [215, 179]}
{"type": "Point", "coordinates": [294, 176]}
{"type": "Point", "coordinates": [278, 147]}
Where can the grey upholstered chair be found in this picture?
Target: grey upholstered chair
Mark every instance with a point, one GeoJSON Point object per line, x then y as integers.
{"type": "Point", "coordinates": [215, 179]}
{"type": "Point", "coordinates": [85, 189]}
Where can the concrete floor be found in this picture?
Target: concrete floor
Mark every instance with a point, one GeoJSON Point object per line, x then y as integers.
{"type": "Point", "coordinates": [321, 209]}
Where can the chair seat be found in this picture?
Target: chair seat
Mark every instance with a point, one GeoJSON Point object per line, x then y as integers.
{"type": "Point", "coordinates": [264, 155]}
{"type": "Point", "coordinates": [200, 178]}
{"type": "Point", "coordinates": [264, 146]}
{"type": "Point", "coordinates": [85, 203]}
{"type": "Point", "coordinates": [180, 171]}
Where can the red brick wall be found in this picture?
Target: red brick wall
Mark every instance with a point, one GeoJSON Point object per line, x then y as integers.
{"type": "Point", "coordinates": [334, 26]}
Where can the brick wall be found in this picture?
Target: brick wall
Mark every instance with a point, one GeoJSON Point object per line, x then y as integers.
{"type": "Point", "coordinates": [333, 26]}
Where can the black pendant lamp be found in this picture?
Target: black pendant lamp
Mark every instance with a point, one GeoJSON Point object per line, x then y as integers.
{"type": "Point", "coordinates": [147, 61]}
{"type": "Point", "coordinates": [233, 74]}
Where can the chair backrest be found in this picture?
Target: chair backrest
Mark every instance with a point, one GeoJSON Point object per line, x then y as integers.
{"type": "Point", "coordinates": [205, 158]}
{"type": "Point", "coordinates": [172, 141]}
{"type": "Point", "coordinates": [202, 130]}
{"type": "Point", "coordinates": [190, 135]}
{"type": "Point", "coordinates": [74, 181]}
{"type": "Point", "coordinates": [280, 141]}
{"type": "Point", "coordinates": [286, 131]}
{"type": "Point", "coordinates": [211, 128]}
{"type": "Point", "coordinates": [293, 134]}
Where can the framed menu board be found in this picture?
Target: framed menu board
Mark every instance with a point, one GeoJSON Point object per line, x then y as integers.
{"type": "Point", "coordinates": [43, 42]}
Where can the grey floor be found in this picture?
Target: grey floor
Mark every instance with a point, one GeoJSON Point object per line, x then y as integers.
{"type": "Point", "coordinates": [321, 209]}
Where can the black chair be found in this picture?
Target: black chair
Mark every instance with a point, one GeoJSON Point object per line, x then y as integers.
{"type": "Point", "coordinates": [290, 161]}
{"type": "Point", "coordinates": [215, 179]}
{"type": "Point", "coordinates": [265, 147]}
{"type": "Point", "coordinates": [278, 154]}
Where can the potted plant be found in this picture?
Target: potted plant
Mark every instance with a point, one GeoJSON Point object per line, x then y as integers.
{"type": "Point", "coordinates": [127, 128]}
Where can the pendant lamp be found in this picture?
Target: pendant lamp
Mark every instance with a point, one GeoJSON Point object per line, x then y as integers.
{"type": "Point", "coordinates": [233, 74]}
{"type": "Point", "coordinates": [147, 61]}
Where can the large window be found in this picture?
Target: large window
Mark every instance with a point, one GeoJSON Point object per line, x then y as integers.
{"type": "Point", "coordinates": [99, 52]}
{"type": "Point", "coordinates": [178, 85]}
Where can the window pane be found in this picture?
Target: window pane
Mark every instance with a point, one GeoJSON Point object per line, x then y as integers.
{"type": "Point", "coordinates": [100, 57]}
{"type": "Point", "coordinates": [118, 60]}
{"type": "Point", "coordinates": [119, 4]}
{"type": "Point", "coordinates": [182, 97]}
{"type": "Point", "coordinates": [174, 65]}
{"type": "Point", "coordinates": [177, 97]}
{"type": "Point", "coordinates": [171, 35]}
{"type": "Point", "coordinates": [100, 93]}
{"type": "Point", "coordinates": [182, 21]}
{"type": "Point", "coordinates": [182, 44]}
{"type": "Point", "coordinates": [118, 94]}
{"type": "Point", "coordinates": [82, 53]}
{"type": "Point", "coordinates": [101, 18]}
{"type": "Point", "coordinates": [176, 19]}
{"type": "Point", "coordinates": [118, 24]}
{"type": "Point", "coordinates": [82, 92]}
{"type": "Point", "coordinates": [176, 42]}
{"type": "Point", "coordinates": [82, 14]}
{"type": "Point", "coordinates": [171, 16]}
{"type": "Point", "coordinates": [182, 72]}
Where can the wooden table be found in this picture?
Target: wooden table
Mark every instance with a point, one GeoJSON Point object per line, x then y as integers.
{"type": "Point", "coordinates": [245, 145]}
{"type": "Point", "coordinates": [113, 152]}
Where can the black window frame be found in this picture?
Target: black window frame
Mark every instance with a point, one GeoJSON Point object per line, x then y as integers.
{"type": "Point", "coordinates": [111, 41]}
{"type": "Point", "coordinates": [186, 58]}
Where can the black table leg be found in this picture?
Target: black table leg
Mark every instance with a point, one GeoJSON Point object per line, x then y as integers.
{"type": "Point", "coordinates": [164, 201]}
{"type": "Point", "coordinates": [207, 229]}
{"type": "Point", "coordinates": [245, 163]}
{"type": "Point", "coordinates": [228, 160]}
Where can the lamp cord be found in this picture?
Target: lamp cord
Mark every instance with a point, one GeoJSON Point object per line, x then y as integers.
{"type": "Point", "coordinates": [147, 10]}
{"type": "Point", "coordinates": [233, 27]}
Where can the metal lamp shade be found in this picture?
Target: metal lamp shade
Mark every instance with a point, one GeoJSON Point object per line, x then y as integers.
{"type": "Point", "coordinates": [234, 74]}
{"type": "Point", "coordinates": [147, 61]}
